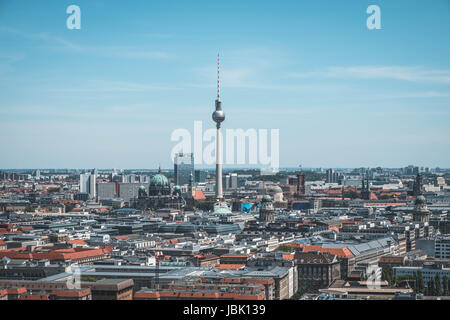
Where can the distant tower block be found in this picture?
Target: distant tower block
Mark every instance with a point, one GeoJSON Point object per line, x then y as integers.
{"type": "Point", "coordinates": [301, 190]}
{"type": "Point", "coordinates": [418, 185]}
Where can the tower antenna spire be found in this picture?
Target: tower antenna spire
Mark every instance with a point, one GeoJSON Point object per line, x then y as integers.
{"type": "Point", "coordinates": [218, 77]}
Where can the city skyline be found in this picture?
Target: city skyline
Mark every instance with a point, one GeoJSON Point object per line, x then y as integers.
{"type": "Point", "coordinates": [341, 95]}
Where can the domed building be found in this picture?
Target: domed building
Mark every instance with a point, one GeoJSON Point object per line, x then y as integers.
{"type": "Point", "coordinates": [142, 192]}
{"type": "Point", "coordinates": [159, 195]}
{"type": "Point", "coordinates": [275, 192]}
{"type": "Point", "coordinates": [159, 185]}
{"type": "Point", "coordinates": [421, 212]}
{"type": "Point", "coordinates": [221, 209]}
{"type": "Point", "coordinates": [176, 191]}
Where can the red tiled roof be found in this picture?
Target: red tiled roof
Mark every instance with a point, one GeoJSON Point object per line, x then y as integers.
{"type": "Point", "coordinates": [34, 297]}
{"type": "Point", "coordinates": [229, 266]}
{"type": "Point", "coordinates": [391, 259]}
{"type": "Point", "coordinates": [204, 295]}
{"type": "Point", "coordinates": [340, 252]}
{"type": "Point", "coordinates": [199, 195]}
{"type": "Point", "coordinates": [21, 290]}
{"type": "Point", "coordinates": [54, 254]}
{"type": "Point", "coordinates": [234, 256]}
{"type": "Point", "coordinates": [77, 241]}
{"type": "Point", "coordinates": [72, 294]}
{"type": "Point", "coordinates": [333, 228]}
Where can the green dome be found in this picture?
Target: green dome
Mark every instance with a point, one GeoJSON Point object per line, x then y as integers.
{"type": "Point", "coordinates": [176, 188]}
{"type": "Point", "coordinates": [222, 210]}
{"type": "Point", "coordinates": [420, 200]}
{"type": "Point", "coordinates": [159, 180]}
{"type": "Point", "coordinates": [266, 198]}
{"type": "Point", "coordinates": [142, 188]}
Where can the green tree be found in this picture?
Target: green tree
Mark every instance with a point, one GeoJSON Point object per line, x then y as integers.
{"type": "Point", "coordinates": [300, 292]}
{"type": "Point", "coordinates": [420, 285]}
{"type": "Point", "coordinates": [69, 207]}
{"type": "Point", "coordinates": [387, 274]}
{"type": "Point", "coordinates": [448, 287]}
{"type": "Point", "coordinates": [437, 285]}
{"type": "Point", "coordinates": [445, 285]}
{"type": "Point", "coordinates": [430, 289]}
{"type": "Point", "coordinates": [29, 209]}
{"type": "Point", "coordinates": [285, 248]}
{"type": "Point", "coordinates": [205, 205]}
{"type": "Point", "coordinates": [351, 194]}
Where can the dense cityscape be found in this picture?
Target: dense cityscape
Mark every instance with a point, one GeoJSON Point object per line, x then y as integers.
{"type": "Point", "coordinates": [364, 233]}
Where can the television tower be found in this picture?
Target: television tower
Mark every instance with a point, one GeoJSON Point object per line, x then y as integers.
{"type": "Point", "coordinates": [218, 117]}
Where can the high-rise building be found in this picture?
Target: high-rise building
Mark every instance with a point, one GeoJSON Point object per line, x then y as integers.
{"type": "Point", "coordinates": [218, 117]}
{"type": "Point", "coordinates": [200, 175]}
{"type": "Point", "coordinates": [183, 168]}
{"type": "Point", "coordinates": [84, 183]}
{"type": "Point", "coordinates": [418, 185]}
{"type": "Point", "coordinates": [332, 176]}
{"type": "Point", "coordinates": [88, 183]}
{"type": "Point", "coordinates": [231, 181]}
{"type": "Point", "coordinates": [301, 190]}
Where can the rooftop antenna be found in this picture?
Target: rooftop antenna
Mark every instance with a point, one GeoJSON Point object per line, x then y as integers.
{"type": "Point", "coordinates": [218, 77]}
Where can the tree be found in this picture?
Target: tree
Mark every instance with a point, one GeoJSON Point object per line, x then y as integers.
{"type": "Point", "coordinates": [387, 274]}
{"type": "Point", "coordinates": [431, 289]}
{"type": "Point", "coordinates": [437, 285]}
{"type": "Point", "coordinates": [298, 294]}
{"type": "Point", "coordinates": [351, 194]}
{"type": "Point", "coordinates": [445, 285]}
{"type": "Point", "coordinates": [448, 287]}
{"type": "Point", "coordinates": [69, 207]}
{"type": "Point", "coordinates": [205, 205]}
{"type": "Point", "coordinates": [29, 209]}
{"type": "Point", "coordinates": [420, 285]}
{"type": "Point", "coordinates": [285, 248]}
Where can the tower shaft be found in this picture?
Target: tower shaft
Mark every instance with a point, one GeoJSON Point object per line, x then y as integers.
{"type": "Point", "coordinates": [219, 192]}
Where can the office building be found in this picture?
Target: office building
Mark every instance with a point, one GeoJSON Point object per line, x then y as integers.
{"type": "Point", "coordinates": [183, 168]}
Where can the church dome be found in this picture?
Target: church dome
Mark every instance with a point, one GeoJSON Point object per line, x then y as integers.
{"type": "Point", "coordinates": [274, 189]}
{"type": "Point", "coordinates": [159, 180]}
{"type": "Point", "coordinates": [222, 211]}
{"type": "Point", "coordinates": [266, 198]}
{"type": "Point", "coordinates": [142, 188]}
{"type": "Point", "coordinates": [421, 200]}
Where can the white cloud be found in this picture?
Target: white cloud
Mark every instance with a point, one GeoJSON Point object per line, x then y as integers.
{"type": "Point", "coordinates": [94, 50]}
{"type": "Point", "coordinates": [411, 74]}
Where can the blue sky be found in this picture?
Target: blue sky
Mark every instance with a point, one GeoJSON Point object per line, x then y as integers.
{"type": "Point", "coordinates": [110, 95]}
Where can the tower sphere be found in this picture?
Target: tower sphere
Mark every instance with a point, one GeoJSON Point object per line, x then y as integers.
{"type": "Point", "coordinates": [218, 116]}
